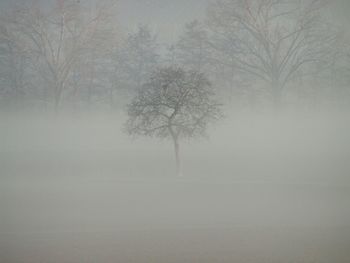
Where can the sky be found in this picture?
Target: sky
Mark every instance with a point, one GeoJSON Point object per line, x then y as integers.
{"type": "Point", "coordinates": [166, 17]}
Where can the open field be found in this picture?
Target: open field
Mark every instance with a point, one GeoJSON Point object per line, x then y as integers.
{"type": "Point", "coordinates": [260, 189]}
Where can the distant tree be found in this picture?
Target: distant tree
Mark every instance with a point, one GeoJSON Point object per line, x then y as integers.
{"type": "Point", "coordinates": [95, 68]}
{"type": "Point", "coordinates": [173, 104]}
{"type": "Point", "coordinates": [136, 59]}
{"type": "Point", "coordinates": [334, 82]}
{"type": "Point", "coordinates": [270, 40]}
{"type": "Point", "coordinates": [12, 64]}
{"type": "Point", "coordinates": [57, 38]}
{"type": "Point", "coordinates": [191, 50]}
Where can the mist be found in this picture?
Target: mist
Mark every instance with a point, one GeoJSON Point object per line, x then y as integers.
{"type": "Point", "coordinates": [174, 131]}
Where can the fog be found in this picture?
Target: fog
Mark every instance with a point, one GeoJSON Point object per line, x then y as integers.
{"type": "Point", "coordinates": [130, 133]}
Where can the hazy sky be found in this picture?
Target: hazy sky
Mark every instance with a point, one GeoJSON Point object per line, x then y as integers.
{"type": "Point", "coordinates": [164, 16]}
{"type": "Point", "coordinates": [167, 17]}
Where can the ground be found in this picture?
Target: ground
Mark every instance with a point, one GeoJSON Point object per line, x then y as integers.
{"type": "Point", "coordinates": [76, 189]}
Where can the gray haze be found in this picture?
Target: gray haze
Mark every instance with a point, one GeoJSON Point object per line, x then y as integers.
{"type": "Point", "coordinates": [174, 131]}
{"type": "Point", "coordinates": [166, 17]}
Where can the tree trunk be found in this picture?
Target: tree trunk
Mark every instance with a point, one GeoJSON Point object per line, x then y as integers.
{"type": "Point", "coordinates": [277, 99]}
{"type": "Point", "coordinates": [57, 99]}
{"type": "Point", "coordinates": [277, 94]}
{"type": "Point", "coordinates": [177, 157]}
{"type": "Point", "coordinates": [111, 97]}
{"type": "Point", "coordinates": [59, 87]}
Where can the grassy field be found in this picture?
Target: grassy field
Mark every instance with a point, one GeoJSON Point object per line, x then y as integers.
{"type": "Point", "coordinates": [260, 189]}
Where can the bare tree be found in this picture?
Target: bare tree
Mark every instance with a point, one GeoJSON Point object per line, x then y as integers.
{"type": "Point", "coordinates": [270, 40]}
{"type": "Point", "coordinates": [57, 38]}
{"type": "Point", "coordinates": [174, 104]}
{"type": "Point", "coordinates": [191, 50]}
{"type": "Point", "coordinates": [12, 62]}
{"type": "Point", "coordinates": [95, 66]}
{"type": "Point", "coordinates": [136, 58]}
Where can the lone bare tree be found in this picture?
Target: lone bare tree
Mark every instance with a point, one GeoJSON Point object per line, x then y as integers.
{"type": "Point", "coordinates": [174, 104]}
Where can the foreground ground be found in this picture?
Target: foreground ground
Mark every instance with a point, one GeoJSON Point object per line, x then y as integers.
{"type": "Point", "coordinates": [78, 190]}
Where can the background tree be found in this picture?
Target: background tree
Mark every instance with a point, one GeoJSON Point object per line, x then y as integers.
{"type": "Point", "coordinates": [56, 38]}
{"type": "Point", "coordinates": [12, 64]}
{"type": "Point", "coordinates": [136, 59]}
{"type": "Point", "coordinates": [191, 49]}
{"type": "Point", "coordinates": [193, 52]}
{"type": "Point", "coordinates": [174, 104]}
{"type": "Point", "coordinates": [94, 70]}
{"type": "Point", "coordinates": [269, 40]}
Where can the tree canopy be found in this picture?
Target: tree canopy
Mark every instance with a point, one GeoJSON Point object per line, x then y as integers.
{"type": "Point", "coordinates": [174, 103]}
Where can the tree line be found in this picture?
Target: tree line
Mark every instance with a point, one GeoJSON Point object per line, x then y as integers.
{"type": "Point", "coordinates": [254, 52]}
